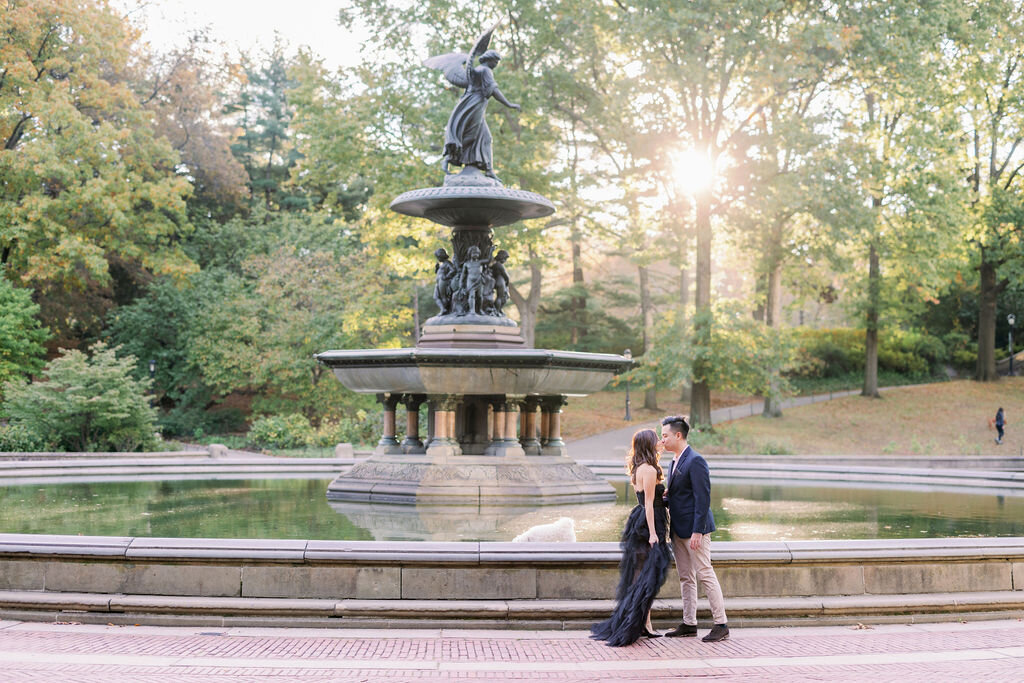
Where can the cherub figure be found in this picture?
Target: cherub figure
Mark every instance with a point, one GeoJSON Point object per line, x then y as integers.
{"type": "Point", "coordinates": [501, 281]}
{"type": "Point", "coordinates": [445, 270]}
{"type": "Point", "coordinates": [467, 139]}
{"type": "Point", "coordinates": [471, 279]}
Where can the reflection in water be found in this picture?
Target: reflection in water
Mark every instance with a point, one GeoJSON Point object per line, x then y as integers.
{"type": "Point", "coordinates": [298, 509]}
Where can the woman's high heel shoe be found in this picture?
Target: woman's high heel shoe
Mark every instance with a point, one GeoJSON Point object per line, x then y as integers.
{"type": "Point", "coordinates": [648, 634]}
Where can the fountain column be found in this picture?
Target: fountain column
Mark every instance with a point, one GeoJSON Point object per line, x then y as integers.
{"type": "Point", "coordinates": [444, 442]}
{"type": "Point", "coordinates": [388, 444]}
{"type": "Point", "coordinates": [551, 441]}
{"type": "Point", "coordinates": [412, 442]}
{"type": "Point", "coordinates": [528, 431]}
{"type": "Point", "coordinates": [505, 419]}
{"type": "Point", "coordinates": [512, 420]}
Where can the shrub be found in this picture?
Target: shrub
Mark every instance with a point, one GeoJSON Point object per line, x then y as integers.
{"type": "Point", "coordinates": [19, 438]}
{"type": "Point", "coordinates": [965, 359]}
{"type": "Point", "coordinates": [829, 353]}
{"type": "Point", "coordinates": [22, 353]}
{"type": "Point", "coordinates": [281, 431]}
{"type": "Point", "coordinates": [87, 404]}
{"type": "Point", "coordinates": [357, 428]}
{"type": "Point", "coordinates": [839, 352]}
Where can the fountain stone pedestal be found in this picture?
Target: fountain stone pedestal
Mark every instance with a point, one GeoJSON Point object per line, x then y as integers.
{"type": "Point", "coordinates": [493, 405]}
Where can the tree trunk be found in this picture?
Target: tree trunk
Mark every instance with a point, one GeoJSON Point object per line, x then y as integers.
{"type": "Point", "coordinates": [527, 305]}
{"type": "Point", "coordinates": [990, 289]}
{"type": "Point", "coordinates": [871, 334]}
{"type": "Point", "coordinates": [760, 292]}
{"type": "Point", "coordinates": [700, 395]}
{"type": "Point", "coordinates": [684, 301]}
{"type": "Point", "coordinates": [578, 300]}
{"type": "Point", "coordinates": [772, 303]}
{"type": "Point", "coordinates": [647, 311]}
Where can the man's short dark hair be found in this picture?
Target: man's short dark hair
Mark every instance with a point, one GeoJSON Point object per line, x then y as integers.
{"type": "Point", "coordinates": [678, 424]}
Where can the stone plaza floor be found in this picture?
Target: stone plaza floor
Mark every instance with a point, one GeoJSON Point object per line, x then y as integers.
{"type": "Point", "coordinates": [935, 652]}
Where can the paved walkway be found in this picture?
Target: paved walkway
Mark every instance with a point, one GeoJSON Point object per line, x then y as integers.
{"type": "Point", "coordinates": [989, 650]}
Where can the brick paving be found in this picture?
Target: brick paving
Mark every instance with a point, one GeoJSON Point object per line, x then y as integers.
{"type": "Point", "coordinates": [921, 652]}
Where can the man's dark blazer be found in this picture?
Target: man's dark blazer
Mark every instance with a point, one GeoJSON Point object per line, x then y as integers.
{"type": "Point", "coordinates": [689, 495]}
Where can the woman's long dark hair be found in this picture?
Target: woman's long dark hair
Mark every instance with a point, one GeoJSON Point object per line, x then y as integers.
{"type": "Point", "coordinates": [644, 451]}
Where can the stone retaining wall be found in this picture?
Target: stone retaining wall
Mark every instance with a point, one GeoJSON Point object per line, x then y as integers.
{"type": "Point", "coordinates": [368, 570]}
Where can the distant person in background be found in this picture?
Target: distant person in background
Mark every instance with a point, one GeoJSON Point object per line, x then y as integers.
{"type": "Point", "coordinates": [1000, 423]}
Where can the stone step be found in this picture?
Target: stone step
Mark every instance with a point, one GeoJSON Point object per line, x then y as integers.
{"type": "Point", "coordinates": [509, 614]}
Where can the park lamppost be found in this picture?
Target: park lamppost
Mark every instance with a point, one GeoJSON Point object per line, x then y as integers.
{"type": "Point", "coordinates": [1012, 319]}
{"type": "Point", "coordinates": [152, 373]}
{"type": "Point", "coordinates": [628, 355]}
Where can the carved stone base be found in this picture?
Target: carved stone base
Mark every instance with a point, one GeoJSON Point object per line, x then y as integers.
{"type": "Point", "coordinates": [470, 480]}
{"type": "Point", "coordinates": [470, 337]}
{"type": "Point", "coordinates": [443, 448]}
{"type": "Point", "coordinates": [508, 447]}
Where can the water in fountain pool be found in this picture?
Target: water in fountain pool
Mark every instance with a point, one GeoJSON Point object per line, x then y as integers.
{"type": "Point", "coordinates": [297, 509]}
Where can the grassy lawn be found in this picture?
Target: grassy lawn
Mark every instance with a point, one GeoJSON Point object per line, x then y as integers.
{"type": "Point", "coordinates": [605, 410]}
{"type": "Point", "coordinates": [948, 418]}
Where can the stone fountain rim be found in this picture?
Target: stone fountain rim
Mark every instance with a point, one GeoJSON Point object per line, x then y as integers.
{"type": "Point", "coordinates": [521, 358]}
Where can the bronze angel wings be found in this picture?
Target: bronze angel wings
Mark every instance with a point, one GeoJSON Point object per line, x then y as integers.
{"type": "Point", "coordinates": [456, 65]}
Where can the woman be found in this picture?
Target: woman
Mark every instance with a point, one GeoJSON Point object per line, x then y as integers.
{"type": "Point", "coordinates": [645, 555]}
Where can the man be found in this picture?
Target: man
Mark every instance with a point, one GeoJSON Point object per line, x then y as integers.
{"type": "Point", "coordinates": [688, 497]}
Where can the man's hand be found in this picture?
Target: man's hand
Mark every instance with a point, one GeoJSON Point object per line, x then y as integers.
{"type": "Point", "coordinates": [695, 541]}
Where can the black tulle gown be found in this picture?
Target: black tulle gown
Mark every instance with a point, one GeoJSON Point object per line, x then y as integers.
{"type": "Point", "coordinates": [642, 572]}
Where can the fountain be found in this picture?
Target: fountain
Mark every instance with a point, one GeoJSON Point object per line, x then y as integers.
{"type": "Point", "coordinates": [493, 405]}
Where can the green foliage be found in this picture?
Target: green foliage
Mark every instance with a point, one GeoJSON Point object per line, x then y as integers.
{"type": "Point", "coordinates": [265, 146]}
{"type": "Point", "coordinates": [355, 427]}
{"type": "Point", "coordinates": [281, 431]}
{"type": "Point", "coordinates": [840, 352]}
{"type": "Point", "coordinates": [21, 334]}
{"type": "Point", "coordinates": [599, 330]}
{"type": "Point", "coordinates": [742, 355]}
{"type": "Point", "coordinates": [88, 186]}
{"type": "Point", "coordinates": [87, 403]}
{"type": "Point", "coordinates": [19, 438]}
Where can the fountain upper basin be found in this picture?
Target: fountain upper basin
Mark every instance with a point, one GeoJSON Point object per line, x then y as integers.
{"type": "Point", "coordinates": [473, 371]}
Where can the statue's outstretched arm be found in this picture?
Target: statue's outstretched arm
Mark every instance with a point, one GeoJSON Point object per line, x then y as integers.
{"type": "Point", "coordinates": [500, 96]}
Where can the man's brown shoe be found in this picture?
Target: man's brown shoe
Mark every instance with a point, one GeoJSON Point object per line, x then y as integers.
{"type": "Point", "coordinates": [682, 631]}
{"type": "Point", "coordinates": [718, 632]}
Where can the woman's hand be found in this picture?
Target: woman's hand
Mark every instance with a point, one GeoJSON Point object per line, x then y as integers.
{"type": "Point", "coordinates": [653, 539]}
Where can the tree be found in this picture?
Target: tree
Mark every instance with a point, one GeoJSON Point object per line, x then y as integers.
{"type": "Point", "coordinates": [183, 88]}
{"type": "Point", "coordinates": [266, 147]}
{"type": "Point", "coordinates": [87, 403]}
{"type": "Point", "coordinates": [88, 187]}
{"type": "Point", "coordinates": [988, 55]}
{"type": "Point", "coordinates": [255, 332]}
{"type": "Point", "coordinates": [785, 171]}
{"type": "Point", "coordinates": [899, 158]}
{"type": "Point", "coordinates": [22, 336]}
{"type": "Point", "coordinates": [712, 67]}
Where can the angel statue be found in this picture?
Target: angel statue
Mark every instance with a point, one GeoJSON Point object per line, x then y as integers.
{"type": "Point", "coordinates": [467, 140]}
